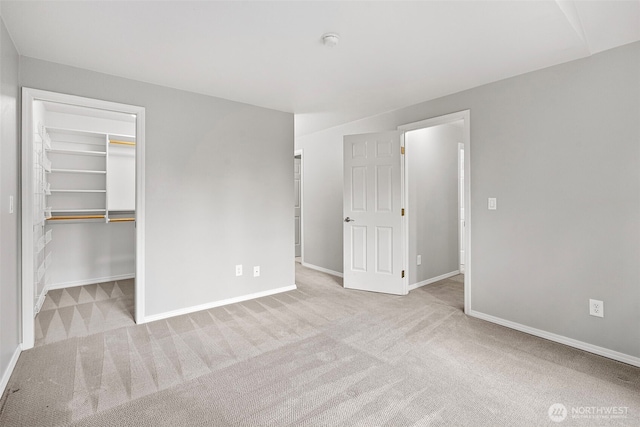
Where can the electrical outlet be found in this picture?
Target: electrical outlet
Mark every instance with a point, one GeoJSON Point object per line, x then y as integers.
{"type": "Point", "coordinates": [256, 271]}
{"type": "Point", "coordinates": [239, 270]}
{"type": "Point", "coordinates": [419, 260]}
{"type": "Point", "coordinates": [596, 308]}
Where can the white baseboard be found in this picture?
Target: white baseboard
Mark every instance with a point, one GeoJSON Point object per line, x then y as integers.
{"type": "Point", "coordinates": [214, 304]}
{"type": "Point", "coordinates": [433, 280]}
{"type": "Point", "coordinates": [89, 281]}
{"type": "Point", "coordinates": [7, 372]}
{"type": "Point", "coordinates": [601, 351]}
{"type": "Point", "coordinates": [322, 269]}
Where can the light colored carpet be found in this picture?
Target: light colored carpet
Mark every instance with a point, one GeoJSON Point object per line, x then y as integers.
{"type": "Point", "coordinates": [84, 310]}
{"type": "Point", "coordinates": [317, 356]}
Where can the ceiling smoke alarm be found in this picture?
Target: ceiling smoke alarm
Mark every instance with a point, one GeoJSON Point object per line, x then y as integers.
{"type": "Point", "coordinates": [330, 39]}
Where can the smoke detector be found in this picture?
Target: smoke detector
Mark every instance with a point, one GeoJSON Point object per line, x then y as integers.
{"type": "Point", "coordinates": [330, 39]}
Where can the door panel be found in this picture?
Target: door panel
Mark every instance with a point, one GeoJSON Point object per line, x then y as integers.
{"type": "Point", "coordinates": [373, 251]}
{"type": "Point", "coordinates": [359, 248]}
{"type": "Point", "coordinates": [384, 250]}
{"type": "Point", "coordinates": [359, 189]}
{"type": "Point", "coordinates": [384, 188]}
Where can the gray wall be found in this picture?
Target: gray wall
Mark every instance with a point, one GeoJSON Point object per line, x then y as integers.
{"type": "Point", "coordinates": [432, 165]}
{"type": "Point", "coordinates": [9, 185]}
{"type": "Point", "coordinates": [219, 187]}
{"type": "Point", "coordinates": [560, 149]}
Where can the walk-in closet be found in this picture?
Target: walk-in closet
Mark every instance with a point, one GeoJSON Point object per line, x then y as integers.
{"type": "Point", "coordinates": [84, 166]}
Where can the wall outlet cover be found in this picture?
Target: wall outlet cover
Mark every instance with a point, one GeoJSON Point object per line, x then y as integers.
{"type": "Point", "coordinates": [239, 270]}
{"type": "Point", "coordinates": [596, 308]}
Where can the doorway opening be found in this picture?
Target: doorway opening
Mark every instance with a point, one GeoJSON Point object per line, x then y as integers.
{"type": "Point", "coordinates": [433, 203]}
{"type": "Point", "coordinates": [297, 209]}
{"type": "Point", "coordinates": [82, 207]}
{"type": "Point", "coordinates": [375, 207]}
{"type": "Point", "coordinates": [437, 197]}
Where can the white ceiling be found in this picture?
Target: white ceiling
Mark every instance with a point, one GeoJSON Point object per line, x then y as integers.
{"type": "Point", "coordinates": [269, 53]}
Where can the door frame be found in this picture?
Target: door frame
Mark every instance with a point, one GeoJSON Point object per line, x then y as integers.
{"type": "Point", "coordinates": [29, 95]}
{"type": "Point", "coordinates": [300, 152]}
{"type": "Point", "coordinates": [464, 115]}
{"type": "Point", "coordinates": [461, 218]}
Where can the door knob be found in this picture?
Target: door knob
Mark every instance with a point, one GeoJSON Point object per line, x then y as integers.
{"type": "Point", "coordinates": [347, 219]}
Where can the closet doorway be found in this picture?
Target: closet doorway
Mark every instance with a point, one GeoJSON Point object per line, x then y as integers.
{"type": "Point", "coordinates": [82, 201]}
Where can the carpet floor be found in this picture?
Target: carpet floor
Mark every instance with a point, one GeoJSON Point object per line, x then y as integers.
{"type": "Point", "coordinates": [317, 356]}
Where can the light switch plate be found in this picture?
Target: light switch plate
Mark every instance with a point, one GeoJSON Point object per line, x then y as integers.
{"type": "Point", "coordinates": [493, 203]}
{"type": "Point", "coordinates": [256, 271]}
{"type": "Point", "coordinates": [10, 204]}
{"type": "Point", "coordinates": [419, 260]}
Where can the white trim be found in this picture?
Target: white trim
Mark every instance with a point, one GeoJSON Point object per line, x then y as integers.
{"type": "Point", "coordinates": [404, 221]}
{"type": "Point", "coordinates": [300, 152]}
{"type": "Point", "coordinates": [464, 115]}
{"type": "Point", "coordinates": [214, 304]}
{"type": "Point", "coordinates": [435, 121]}
{"type": "Point", "coordinates": [601, 351]}
{"type": "Point", "coordinates": [26, 180]}
{"type": "Point", "coordinates": [322, 269]}
{"type": "Point", "coordinates": [10, 367]}
{"type": "Point", "coordinates": [460, 202]}
{"type": "Point", "coordinates": [88, 281]}
{"type": "Point", "coordinates": [28, 96]}
{"type": "Point", "coordinates": [139, 223]}
{"type": "Point", "coordinates": [433, 280]}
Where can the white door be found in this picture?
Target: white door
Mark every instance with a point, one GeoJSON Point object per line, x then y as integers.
{"type": "Point", "coordinates": [297, 198]}
{"type": "Point", "coordinates": [373, 222]}
{"type": "Point", "coordinates": [461, 203]}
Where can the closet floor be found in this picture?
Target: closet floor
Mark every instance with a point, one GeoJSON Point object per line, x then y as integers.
{"type": "Point", "coordinates": [85, 310]}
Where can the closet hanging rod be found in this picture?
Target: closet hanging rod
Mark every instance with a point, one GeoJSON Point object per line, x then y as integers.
{"type": "Point", "coordinates": [121, 219]}
{"type": "Point", "coordinates": [115, 141]}
{"type": "Point", "coordinates": [67, 217]}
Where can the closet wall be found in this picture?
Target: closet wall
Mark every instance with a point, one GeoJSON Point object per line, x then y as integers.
{"type": "Point", "coordinates": [84, 174]}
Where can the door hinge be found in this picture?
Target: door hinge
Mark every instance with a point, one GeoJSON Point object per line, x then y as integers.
{"type": "Point", "coordinates": [401, 150]}
{"type": "Point", "coordinates": [402, 214]}
{"type": "Point", "coordinates": [403, 274]}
